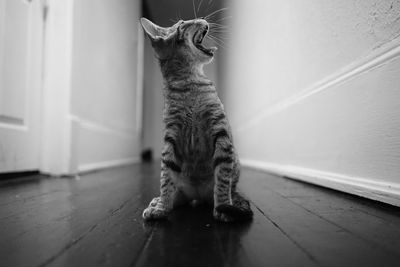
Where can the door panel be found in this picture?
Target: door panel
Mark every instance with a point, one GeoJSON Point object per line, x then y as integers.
{"type": "Point", "coordinates": [21, 36]}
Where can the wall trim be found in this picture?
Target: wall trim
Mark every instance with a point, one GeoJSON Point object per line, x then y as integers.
{"type": "Point", "coordinates": [375, 59]}
{"type": "Point", "coordinates": [88, 167]}
{"type": "Point", "coordinates": [97, 127]}
{"type": "Point", "coordinates": [81, 125]}
{"type": "Point", "coordinates": [11, 123]}
{"type": "Point", "coordinates": [381, 191]}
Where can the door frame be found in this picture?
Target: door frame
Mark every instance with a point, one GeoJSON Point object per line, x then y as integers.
{"type": "Point", "coordinates": [56, 152]}
{"type": "Point", "coordinates": [59, 153]}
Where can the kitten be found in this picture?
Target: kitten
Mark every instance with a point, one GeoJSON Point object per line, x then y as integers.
{"type": "Point", "coordinates": [198, 161]}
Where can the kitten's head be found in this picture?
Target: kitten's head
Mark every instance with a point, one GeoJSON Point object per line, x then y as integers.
{"type": "Point", "coordinates": [182, 42]}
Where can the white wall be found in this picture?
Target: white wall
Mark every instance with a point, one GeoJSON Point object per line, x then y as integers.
{"type": "Point", "coordinates": [104, 100]}
{"type": "Point", "coordinates": [92, 87]}
{"type": "Point", "coordinates": [312, 90]}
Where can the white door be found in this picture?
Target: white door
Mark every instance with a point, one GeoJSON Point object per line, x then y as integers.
{"type": "Point", "coordinates": [21, 39]}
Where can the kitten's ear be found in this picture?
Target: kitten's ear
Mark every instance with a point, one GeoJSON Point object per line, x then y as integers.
{"type": "Point", "coordinates": [154, 31]}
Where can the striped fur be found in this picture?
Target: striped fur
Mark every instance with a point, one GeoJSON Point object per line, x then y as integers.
{"type": "Point", "coordinates": [198, 161]}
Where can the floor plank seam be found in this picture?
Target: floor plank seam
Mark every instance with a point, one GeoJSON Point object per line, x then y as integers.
{"type": "Point", "coordinates": [68, 246]}
{"type": "Point", "coordinates": [114, 211]}
{"type": "Point", "coordinates": [376, 216]}
{"type": "Point", "coordinates": [370, 243]}
{"type": "Point", "coordinates": [28, 198]}
{"type": "Point", "coordinates": [309, 211]}
{"type": "Point", "coordinates": [145, 245]}
{"type": "Point", "coordinates": [308, 254]}
{"type": "Point", "coordinates": [81, 237]}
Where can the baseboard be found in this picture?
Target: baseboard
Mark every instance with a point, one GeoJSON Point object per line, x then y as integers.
{"type": "Point", "coordinates": [96, 146]}
{"type": "Point", "coordinates": [18, 174]}
{"type": "Point", "coordinates": [88, 167]}
{"type": "Point", "coordinates": [381, 191]}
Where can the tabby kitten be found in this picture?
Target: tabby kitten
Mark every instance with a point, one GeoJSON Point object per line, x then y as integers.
{"type": "Point", "coordinates": [198, 161]}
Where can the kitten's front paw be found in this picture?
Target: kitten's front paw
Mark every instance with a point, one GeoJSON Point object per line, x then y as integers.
{"type": "Point", "coordinates": [154, 213]}
{"type": "Point", "coordinates": [220, 216]}
{"type": "Point", "coordinates": [155, 210]}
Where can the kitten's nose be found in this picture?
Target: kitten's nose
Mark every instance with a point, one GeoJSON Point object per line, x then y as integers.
{"type": "Point", "coordinates": [202, 22]}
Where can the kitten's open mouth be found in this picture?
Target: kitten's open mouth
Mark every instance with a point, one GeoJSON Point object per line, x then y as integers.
{"type": "Point", "coordinates": [198, 40]}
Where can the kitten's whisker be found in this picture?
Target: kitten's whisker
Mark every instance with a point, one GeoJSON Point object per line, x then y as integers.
{"type": "Point", "coordinates": [219, 33]}
{"type": "Point", "coordinates": [222, 39]}
{"type": "Point", "coordinates": [215, 12]}
{"type": "Point", "coordinates": [212, 39]}
{"type": "Point", "coordinates": [216, 20]}
{"type": "Point", "coordinates": [224, 18]}
{"type": "Point", "coordinates": [218, 25]}
{"type": "Point", "coordinates": [216, 41]}
{"type": "Point", "coordinates": [218, 29]}
{"type": "Point", "coordinates": [177, 16]}
{"type": "Point", "coordinates": [212, 17]}
{"type": "Point", "coordinates": [194, 10]}
{"type": "Point", "coordinates": [219, 40]}
{"type": "Point", "coordinates": [211, 21]}
{"type": "Point", "coordinates": [209, 6]}
{"type": "Point", "coordinates": [198, 7]}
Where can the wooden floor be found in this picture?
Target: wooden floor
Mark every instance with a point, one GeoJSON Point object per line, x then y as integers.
{"type": "Point", "coordinates": [96, 221]}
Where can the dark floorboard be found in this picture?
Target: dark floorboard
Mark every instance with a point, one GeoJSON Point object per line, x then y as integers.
{"type": "Point", "coordinates": [96, 221]}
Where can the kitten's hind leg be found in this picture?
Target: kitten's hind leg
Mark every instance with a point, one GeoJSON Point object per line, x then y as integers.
{"type": "Point", "coordinates": [229, 205]}
{"type": "Point", "coordinates": [222, 188]}
{"type": "Point", "coordinates": [226, 175]}
{"type": "Point", "coordinates": [239, 210]}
